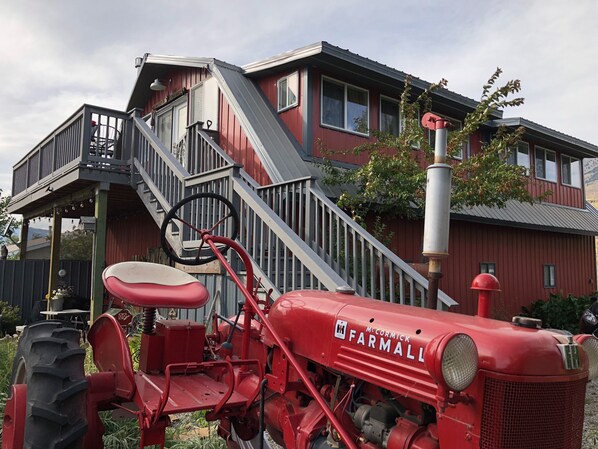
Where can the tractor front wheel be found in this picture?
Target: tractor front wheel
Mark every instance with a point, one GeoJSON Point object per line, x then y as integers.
{"type": "Point", "coordinates": [49, 361]}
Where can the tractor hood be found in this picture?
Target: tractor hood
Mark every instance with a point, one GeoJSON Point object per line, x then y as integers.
{"type": "Point", "coordinates": [386, 343]}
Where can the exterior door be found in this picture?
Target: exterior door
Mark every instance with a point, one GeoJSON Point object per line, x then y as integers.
{"type": "Point", "coordinates": [171, 127]}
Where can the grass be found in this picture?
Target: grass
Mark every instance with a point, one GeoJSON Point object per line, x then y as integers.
{"type": "Point", "coordinates": [189, 431]}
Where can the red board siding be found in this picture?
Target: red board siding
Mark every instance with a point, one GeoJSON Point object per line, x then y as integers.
{"type": "Point", "coordinates": [293, 117]}
{"type": "Point", "coordinates": [519, 254]}
{"type": "Point", "coordinates": [234, 141]}
{"type": "Point", "coordinates": [175, 81]}
{"type": "Point", "coordinates": [130, 237]}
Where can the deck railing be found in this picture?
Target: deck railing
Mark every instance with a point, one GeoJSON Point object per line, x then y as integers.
{"type": "Point", "coordinates": [92, 137]}
{"type": "Point", "coordinates": [287, 246]}
{"type": "Point", "coordinates": [364, 263]}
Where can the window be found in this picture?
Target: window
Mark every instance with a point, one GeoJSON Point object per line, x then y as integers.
{"type": "Point", "coordinates": [519, 155]}
{"type": "Point", "coordinates": [545, 164]}
{"type": "Point", "coordinates": [344, 106]}
{"type": "Point", "coordinates": [549, 276]}
{"type": "Point", "coordinates": [455, 125]}
{"type": "Point", "coordinates": [390, 116]}
{"type": "Point", "coordinates": [488, 267]}
{"type": "Point", "coordinates": [571, 171]}
{"type": "Point", "coordinates": [288, 90]}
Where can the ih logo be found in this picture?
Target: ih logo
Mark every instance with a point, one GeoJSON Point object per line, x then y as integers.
{"type": "Point", "coordinates": [341, 329]}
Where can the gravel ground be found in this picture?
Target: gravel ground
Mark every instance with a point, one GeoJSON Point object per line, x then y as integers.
{"type": "Point", "coordinates": [590, 429]}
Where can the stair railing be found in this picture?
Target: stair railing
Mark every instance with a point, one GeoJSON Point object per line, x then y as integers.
{"type": "Point", "coordinates": [282, 259]}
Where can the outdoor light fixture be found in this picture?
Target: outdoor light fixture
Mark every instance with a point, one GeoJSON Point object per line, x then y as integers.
{"type": "Point", "coordinates": [157, 85]}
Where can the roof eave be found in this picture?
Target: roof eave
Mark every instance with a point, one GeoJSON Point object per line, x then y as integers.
{"type": "Point", "coordinates": [158, 66]}
{"type": "Point", "coordinates": [547, 136]}
{"type": "Point", "coordinates": [338, 57]}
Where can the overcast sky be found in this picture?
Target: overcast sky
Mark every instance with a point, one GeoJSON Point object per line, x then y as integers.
{"type": "Point", "coordinates": [56, 55]}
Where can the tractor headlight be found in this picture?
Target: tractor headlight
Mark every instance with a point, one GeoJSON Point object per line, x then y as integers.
{"type": "Point", "coordinates": [459, 362]}
{"type": "Point", "coordinates": [452, 360]}
{"type": "Point", "coordinates": [590, 346]}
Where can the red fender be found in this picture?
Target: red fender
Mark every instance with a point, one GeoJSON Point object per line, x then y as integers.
{"type": "Point", "coordinates": [13, 427]}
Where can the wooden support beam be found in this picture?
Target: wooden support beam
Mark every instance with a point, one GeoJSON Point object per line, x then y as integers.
{"type": "Point", "coordinates": [54, 253]}
{"type": "Point", "coordinates": [24, 239]}
{"type": "Point", "coordinates": [99, 251]}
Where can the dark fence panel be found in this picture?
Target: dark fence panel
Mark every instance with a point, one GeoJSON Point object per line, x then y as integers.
{"type": "Point", "coordinates": [23, 282]}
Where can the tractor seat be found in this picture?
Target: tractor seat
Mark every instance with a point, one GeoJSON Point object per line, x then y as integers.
{"type": "Point", "coordinates": [145, 284]}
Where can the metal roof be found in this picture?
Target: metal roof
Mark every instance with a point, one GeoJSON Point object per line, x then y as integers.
{"type": "Point", "coordinates": [279, 151]}
{"type": "Point", "coordinates": [335, 59]}
{"type": "Point", "coordinates": [547, 136]}
{"type": "Point", "coordinates": [541, 216]}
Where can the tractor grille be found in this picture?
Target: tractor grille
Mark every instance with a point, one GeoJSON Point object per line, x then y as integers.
{"type": "Point", "coordinates": [519, 415]}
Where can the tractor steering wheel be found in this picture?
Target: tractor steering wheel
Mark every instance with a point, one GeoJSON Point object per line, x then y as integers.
{"type": "Point", "coordinates": [203, 214]}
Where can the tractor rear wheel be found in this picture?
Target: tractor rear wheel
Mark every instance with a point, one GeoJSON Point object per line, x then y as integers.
{"type": "Point", "coordinates": [50, 361]}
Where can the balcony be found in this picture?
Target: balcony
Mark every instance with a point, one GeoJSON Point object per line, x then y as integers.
{"type": "Point", "coordinates": [93, 145]}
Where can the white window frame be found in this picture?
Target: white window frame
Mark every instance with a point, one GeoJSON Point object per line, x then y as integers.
{"type": "Point", "coordinates": [292, 86]}
{"type": "Point", "coordinates": [515, 151]}
{"type": "Point", "coordinates": [346, 87]}
{"type": "Point", "coordinates": [571, 182]}
{"type": "Point", "coordinates": [452, 121]}
{"type": "Point", "coordinates": [400, 120]}
{"type": "Point", "coordinates": [545, 178]}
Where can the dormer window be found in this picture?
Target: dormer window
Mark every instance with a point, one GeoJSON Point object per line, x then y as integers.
{"type": "Point", "coordinates": [345, 107]}
{"type": "Point", "coordinates": [390, 116]}
{"type": "Point", "coordinates": [519, 155]}
{"type": "Point", "coordinates": [571, 171]}
{"type": "Point", "coordinates": [288, 92]}
{"type": "Point", "coordinates": [545, 164]}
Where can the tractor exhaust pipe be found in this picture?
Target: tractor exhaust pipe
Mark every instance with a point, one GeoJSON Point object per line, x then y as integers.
{"type": "Point", "coordinates": [438, 203]}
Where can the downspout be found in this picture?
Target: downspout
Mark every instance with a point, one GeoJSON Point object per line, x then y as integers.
{"type": "Point", "coordinates": [438, 203]}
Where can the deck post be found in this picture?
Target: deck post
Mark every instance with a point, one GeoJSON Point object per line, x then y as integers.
{"type": "Point", "coordinates": [24, 237]}
{"type": "Point", "coordinates": [99, 250]}
{"type": "Point", "coordinates": [54, 252]}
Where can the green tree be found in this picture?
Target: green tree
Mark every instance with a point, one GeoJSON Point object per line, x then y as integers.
{"type": "Point", "coordinates": [394, 178]}
{"type": "Point", "coordinates": [5, 218]}
{"type": "Point", "coordinates": [76, 245]}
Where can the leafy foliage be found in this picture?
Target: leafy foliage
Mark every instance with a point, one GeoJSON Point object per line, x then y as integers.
{"type": "Point", "coordinates": [76, 245]}
{"type": "Point", "coordinates": [11, 318]}
{"type": "Point", "coordinates": [559, 312]}
{"type": "Point", "coordinates": [5, 216]}
{"type": "Point", "coordinates": [394, 178]}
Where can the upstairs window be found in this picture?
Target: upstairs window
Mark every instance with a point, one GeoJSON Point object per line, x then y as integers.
{"type": "Point", "coordinates": [545, 164]}
{"type": "Point", "coordinates": [288, 91]}
{"type": "Point", "coordinates": [455, 125]}
{"type": "Point", "coordinates": [345, 107]}
{"type": "Point", "coordinates": [519, 155]}
{"type": "Point", "coordinates": [390, 116]}
{"type": "Point", "coordinates": [571, 171]}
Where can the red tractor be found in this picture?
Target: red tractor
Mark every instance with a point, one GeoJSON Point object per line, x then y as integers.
{"type": "Point", "coordinates": [314, 369]}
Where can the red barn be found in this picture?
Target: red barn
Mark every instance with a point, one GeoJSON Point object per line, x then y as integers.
{"type": "Point", "coordinates": [252, 133]}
